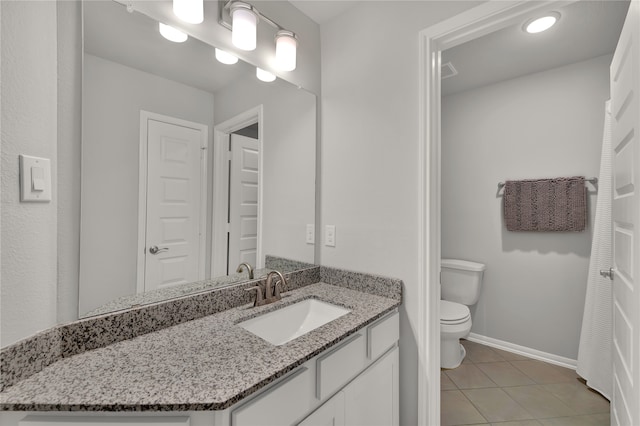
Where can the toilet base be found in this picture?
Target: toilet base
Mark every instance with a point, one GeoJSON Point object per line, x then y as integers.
{"type": "Point", "coordinates": [452, 354]}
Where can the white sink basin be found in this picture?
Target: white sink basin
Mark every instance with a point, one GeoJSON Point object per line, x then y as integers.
{"type": "Point", "coordinates": [283, 325]}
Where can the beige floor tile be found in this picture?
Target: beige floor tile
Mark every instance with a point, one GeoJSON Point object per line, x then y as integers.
{"type": "Point", "coordinates": [457, 410]}
{"type": "Point", "coordinates": [446, 383]}
{"type": "Point", "coordinates": [469, 376]}
{"type": "Point", "coordinates": [480, 353]}
{"type": "Point", "coordinates": [539, 402]}
{"type": "Point", "coordinates": [579, 397]}
{"type": "Point", "coordinates": [518, 423]}
{"type": "Point", "coordinates": [496, 406]}
{"type": "Point", "coordinates": [543, 373]}
{"type": "Point", "coordinates": [504, 374]}
{"type": "Point", "coordinates": [588, 420]}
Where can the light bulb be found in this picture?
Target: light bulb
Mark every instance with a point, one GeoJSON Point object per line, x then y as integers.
{"type": "Point", "coordinates": [244, 26]}
{"type": "Point", "coordinates": [171, 33]}
{"type": "Point", "coordinates": [286, 45]}
{"type": "Point", "coordinates": [542, 24]}
{"type": "Point", "coordinates": [265, 76]}
{"type": "Point", "coordinates": [225, 57]}
{"type": "Point", "coordinates": [191, 11]}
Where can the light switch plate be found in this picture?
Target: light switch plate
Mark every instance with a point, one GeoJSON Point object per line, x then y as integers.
{"type": "Point", "coordinates": [330, 236]}
{"type": "Point", "coordinates": [311, 233]}
{"type": "Point", "coordinates": [35, 179]}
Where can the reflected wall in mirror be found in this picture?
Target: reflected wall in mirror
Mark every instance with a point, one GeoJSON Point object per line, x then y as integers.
{"type": "Point", "coordinates": [172, 193]}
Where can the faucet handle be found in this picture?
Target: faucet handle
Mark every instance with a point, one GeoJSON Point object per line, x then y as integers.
{"type": "Point", "coordinates": [259, 295]}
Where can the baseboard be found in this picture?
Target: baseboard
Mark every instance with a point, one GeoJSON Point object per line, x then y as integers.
{"type": "Point", "coordinates": [524, 351]}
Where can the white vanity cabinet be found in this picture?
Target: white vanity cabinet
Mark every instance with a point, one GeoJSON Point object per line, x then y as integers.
{"type": "Point", "coordinates": [352, 383]}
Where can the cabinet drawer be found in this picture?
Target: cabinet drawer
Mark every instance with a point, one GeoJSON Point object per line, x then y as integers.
{"type": "Point", "coordinates": [283, 404]}
{"type": "Point", "coordinates": [335, 368]}
{"type": "Point", "coordinates": [383, 334]}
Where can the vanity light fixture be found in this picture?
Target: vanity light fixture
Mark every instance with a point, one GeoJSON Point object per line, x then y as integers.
{"type": "Point", "coordinates": [244, 26]}
{"type": "Point", "coordinates": [171, 33]}
{"type": "Point", "coordinates": [191, 11]}
{"type": "Point", "coordinates": [244, 29]}
{"type": "Point", "coordinates": [225, 57]}
{"type": "Point", "coordinates": [264, 75]}
{"type": "Point", "coordinates": [538, 25]}
{"type": "Point", "coordinates": [286, 45]}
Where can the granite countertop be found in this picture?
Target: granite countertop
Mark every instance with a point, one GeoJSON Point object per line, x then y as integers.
{"type": "Point", "coordinates": [204, 364]}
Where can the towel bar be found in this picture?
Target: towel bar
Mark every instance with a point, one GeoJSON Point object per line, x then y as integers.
{"type": "Point", "coordinates": [593, 180]}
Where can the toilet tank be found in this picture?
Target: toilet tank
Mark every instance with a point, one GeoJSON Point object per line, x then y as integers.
{"type": "Point", "coordinates": [461, 280]}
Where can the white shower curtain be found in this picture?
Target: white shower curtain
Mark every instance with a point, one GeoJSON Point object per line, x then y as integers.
{"type": "Point", "coordinates": [595, 352]}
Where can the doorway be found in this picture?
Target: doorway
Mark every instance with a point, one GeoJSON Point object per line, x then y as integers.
{"type": "Point", "coordinates": [237, 193]}
{"type": "Point", "coordinates": [470, 25]}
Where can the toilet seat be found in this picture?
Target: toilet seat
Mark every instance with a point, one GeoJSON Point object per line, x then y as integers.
{"type": "Point", "coordinates": [452, 313]}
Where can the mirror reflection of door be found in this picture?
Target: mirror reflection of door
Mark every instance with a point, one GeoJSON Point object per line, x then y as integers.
{"type": "Point", "coordinates": [175, 203]}
{"type": "Point", "coordinates": [243, 198]}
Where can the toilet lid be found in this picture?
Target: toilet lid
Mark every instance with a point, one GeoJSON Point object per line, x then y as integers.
{"type": "Point", "coordinates": [453, 313]}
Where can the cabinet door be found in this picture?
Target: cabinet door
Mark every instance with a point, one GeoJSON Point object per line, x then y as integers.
{"type": "Point", "coordinates": [331, 413]}
{"type": "Point", "coordinates": [372, 398]}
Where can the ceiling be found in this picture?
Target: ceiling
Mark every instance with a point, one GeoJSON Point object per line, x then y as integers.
{"type": "Point", "coordinates": [322, 11]}
{"type": "Point", "coordinates": [586, 29]}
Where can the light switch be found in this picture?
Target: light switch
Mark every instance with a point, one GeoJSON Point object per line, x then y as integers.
{"type": "Point", "coordinates": [311, 233]}
{"type": "Point", "coordinates": [35, 179]}
{"type": "Point", "coordinates": [330, 236]}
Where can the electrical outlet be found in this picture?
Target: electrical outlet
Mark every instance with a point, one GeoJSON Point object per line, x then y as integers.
{"type": "Point", "coordinates": [311, 233]}
{"type": "Point", "coordinates": [330, 236]}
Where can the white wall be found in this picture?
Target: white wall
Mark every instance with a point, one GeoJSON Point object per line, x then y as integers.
{"type": "Point", "coordinates": [369, 174]}
{"type": "Point", "coordinates": [289, 160]}
{"type": "Point", "coordinates": [113, 96]}
{"type": "Point", "coordinates": [547, 124]}
{"type": "Point", "coordinates": [29, 126]}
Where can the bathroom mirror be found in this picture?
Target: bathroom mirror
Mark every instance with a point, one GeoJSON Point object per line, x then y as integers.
{"type": "Point", "coordinates": [189, 166]}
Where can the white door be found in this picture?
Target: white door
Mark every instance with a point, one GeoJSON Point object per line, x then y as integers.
{"type": "Point", "coordinates": [243, 201]}
{"type": "Point", "coordinates": [625, 89]}
{"type": "Point", "coordinates": [174, 224]}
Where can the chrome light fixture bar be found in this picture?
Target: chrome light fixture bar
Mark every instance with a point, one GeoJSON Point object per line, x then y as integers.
{"type": "Point", "coordinates": [242, 19]}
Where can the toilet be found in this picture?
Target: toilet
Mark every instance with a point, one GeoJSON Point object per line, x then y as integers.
{"type": "Point", "coordinates": [460, 288]}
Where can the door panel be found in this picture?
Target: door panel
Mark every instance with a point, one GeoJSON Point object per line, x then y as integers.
{"type": "Point", "coordinates": [174, 172]}
{"type": "Point", "coordinates": [625, 88]}
{"type": "Point", "coordinates": [243, 201]}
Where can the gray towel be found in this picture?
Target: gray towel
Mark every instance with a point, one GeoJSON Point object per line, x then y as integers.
{"type": "Point", "coordinates": [545, 204]}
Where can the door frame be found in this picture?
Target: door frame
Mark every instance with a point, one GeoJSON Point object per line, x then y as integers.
{"type": "Point", "coordinates": [469, 25]}
{"type": "Point", "coordinates": [220, 188]}
{"type": "Point", "coordinates": [145, 116]}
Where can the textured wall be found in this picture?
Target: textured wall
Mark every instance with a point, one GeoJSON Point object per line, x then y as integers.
{"type": "Point", "coordinates": [29, 126]}
{"type": "Point", "coordinates": [547, 124]}
{"type": "Point", "coordinates": [369, 173]}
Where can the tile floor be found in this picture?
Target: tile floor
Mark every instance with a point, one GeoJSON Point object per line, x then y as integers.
{"type": "Point", "coordinates": [500, 388]}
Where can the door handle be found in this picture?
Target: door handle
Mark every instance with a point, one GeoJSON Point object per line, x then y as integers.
{"type": "Point", "coordinates": [156, 250]}
{"type": "Point", "coordinates": [607, 273]}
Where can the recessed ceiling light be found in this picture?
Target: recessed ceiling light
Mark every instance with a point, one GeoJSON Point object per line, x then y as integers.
{"type": "Point", "coordinates": [543, 23]}
{"type": "Point", "coordinates": [171, 33]}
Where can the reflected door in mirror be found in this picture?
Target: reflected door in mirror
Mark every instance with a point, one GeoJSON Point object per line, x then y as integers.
{"type": "Point", "coordinates": [243, 201]}
{"type": "Point", "coordinates": [175, 203]}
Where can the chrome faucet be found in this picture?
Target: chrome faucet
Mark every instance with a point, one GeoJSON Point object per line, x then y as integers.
{"type": "Point", "coordinates": [249, 269]}
{"type": "Point", "coordinates": [274, 292]}
{"type": "Point", "coordinates": [269, 292]}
